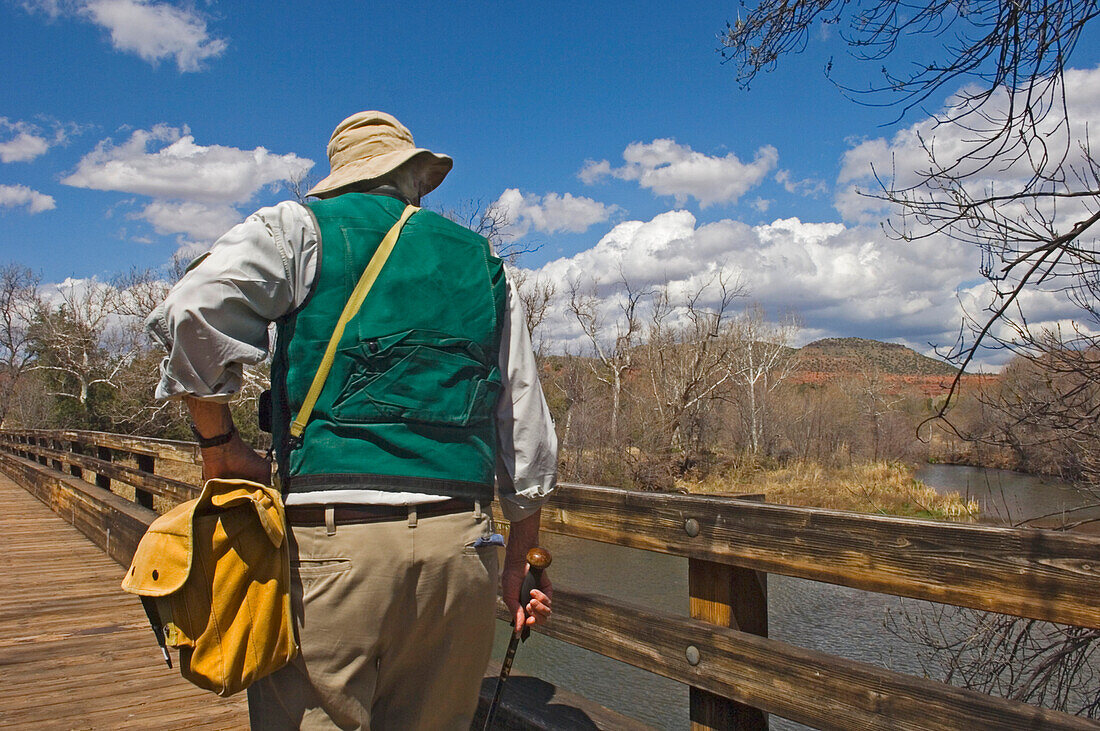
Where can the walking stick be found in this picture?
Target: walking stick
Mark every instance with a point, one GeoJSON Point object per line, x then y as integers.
{"type": "Point", "coordinates": [539, 560]}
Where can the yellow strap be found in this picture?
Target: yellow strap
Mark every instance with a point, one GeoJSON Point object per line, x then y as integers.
{"type": "Point", "coordinates": [366, 281]}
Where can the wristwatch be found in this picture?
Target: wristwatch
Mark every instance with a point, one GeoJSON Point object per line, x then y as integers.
{"type": "Point", "coordinates": [215, 441]}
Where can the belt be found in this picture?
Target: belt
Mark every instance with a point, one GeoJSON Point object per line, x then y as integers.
{"type": "Point", "coordinates": [345, 513]}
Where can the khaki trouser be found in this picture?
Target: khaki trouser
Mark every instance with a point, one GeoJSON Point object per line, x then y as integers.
{"type": "Point", "coordinates": [395, 621]}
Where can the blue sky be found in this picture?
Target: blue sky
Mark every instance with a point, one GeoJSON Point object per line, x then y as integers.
{"type": "Point", "coordinates": [537, 103]}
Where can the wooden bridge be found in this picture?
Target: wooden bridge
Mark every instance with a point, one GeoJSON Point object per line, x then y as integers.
{"type": "Point", "coordinates": [75, 651]}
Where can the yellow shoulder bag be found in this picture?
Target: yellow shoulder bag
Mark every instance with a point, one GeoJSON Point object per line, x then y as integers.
{"type": "Point", "coordinates": [214, 576]}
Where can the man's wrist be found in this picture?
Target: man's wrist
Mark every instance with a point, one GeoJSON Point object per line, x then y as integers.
{"type": "Point", "coordinates": [522, 535]}
{"type": "Point", "coordinates": [216, 440]}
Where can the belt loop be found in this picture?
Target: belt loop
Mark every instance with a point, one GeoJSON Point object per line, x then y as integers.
{"type": "Point", "coordinates": [330, 520]}
{"type": "Point", "coordinates": [477, 511]}
{"type": "Point", "coordinates": [412, 516]}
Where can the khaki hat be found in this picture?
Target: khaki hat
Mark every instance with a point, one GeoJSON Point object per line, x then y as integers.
{"type": "Point", "coordinates": [369, 145]}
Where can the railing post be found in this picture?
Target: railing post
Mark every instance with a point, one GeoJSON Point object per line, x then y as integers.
{"type": "Point", "coordinates": [75, 469]}
{"type": "Point", "coordinates": [145, 463]}
{"type": "Point", "coordinates": [104, 453]}
{"type": "Point", "coordinates": [729, 596]}
{"type": "Point", "coordinates": [42, 442]}
{"type": "Point", "coordinates": [57, 463]}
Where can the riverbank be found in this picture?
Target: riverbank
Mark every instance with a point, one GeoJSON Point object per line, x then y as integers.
{"type": "Point", "coordinates": [874, 487]}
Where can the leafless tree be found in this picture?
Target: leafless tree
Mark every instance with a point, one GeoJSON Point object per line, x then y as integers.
{"type": "Point", "coordinates": [537, 293]}
{"type": "Point", "coordinates": [573, 384]}
{"type": "Point", "coordinates": [687, 352]}
{"type": "Point", "coordinates": [816, 421]}
{"type": "Point", "coordinates": [761, 361]}
{"type": "Point", "coordinates": [614, 352]}
{"type": "Point", "coordinates": [94, 359]}
{"type": "Point", "coordinates": [29, 407]}
{"type": "Point", "coordinates": [876, 402]}
{"type": "Point", "coordinates": [1045, 408]}
{"type": "Point", "coordinates": [298, 184]}
{"type": "Point", "coordinates": [18, 302]}
{"type": "Point", "coordinates": [1022, 48]}
{"type": "Point", "coordinates": [81, 340]}
{"type": "Point", "coordinates": [492, 221]}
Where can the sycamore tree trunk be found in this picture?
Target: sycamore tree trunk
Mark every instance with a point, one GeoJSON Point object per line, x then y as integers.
{"type": "Point", "coordinates": [616, 393]}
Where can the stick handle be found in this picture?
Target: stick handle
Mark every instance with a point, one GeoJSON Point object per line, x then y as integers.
{"type": "Point", "coordinates": [538, 559]}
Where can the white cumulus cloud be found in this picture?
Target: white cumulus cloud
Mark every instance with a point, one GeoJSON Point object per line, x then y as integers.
{"type": "Point", "coordinates": [26, 141]}
{"type": "Point", "coordinates": [200, 221]}
{"type": "Point", "coordinates": [551, 213]}
{"type": "Point", "coordinates": [668, 168]}
{"type": "Point", "coordinates": [196, 189]}
{"type": "Point", "coordinates": [811, 187]}
{"type": "Point", "coordinates": [154, 31]}
{"type": "Point", "coordinates": [165, 162]}
{"type": "Point", "coordinates": [14, 196]}
{"type": "Point", "coordinates": [840, 280]}
{"type": "Point", "coordinates": [24, 147]}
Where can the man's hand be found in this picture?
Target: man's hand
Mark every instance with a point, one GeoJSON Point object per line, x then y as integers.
{"type": "Point", "coordinates": [234, 459]}
{"type": "Point", "coordinates": [522, 537]}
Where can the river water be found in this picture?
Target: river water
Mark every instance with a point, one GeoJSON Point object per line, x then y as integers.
{"type": "Point", "coordinates": [1008, 498]}
{"type": "Point", "coordinates": [832, 619]}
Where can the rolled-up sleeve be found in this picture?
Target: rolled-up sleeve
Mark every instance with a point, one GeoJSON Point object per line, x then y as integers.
{"type": "Point", "coordinates": [527, 462]}
{"type": "Point", "coordinates": [216, 318]}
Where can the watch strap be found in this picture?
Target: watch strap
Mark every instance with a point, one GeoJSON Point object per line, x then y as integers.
{"type": "Point", "coordinates": [214, 441]}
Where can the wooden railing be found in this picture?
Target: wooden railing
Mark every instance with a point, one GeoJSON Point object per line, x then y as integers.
{"type": "Point", "coordinates": [736, 674]}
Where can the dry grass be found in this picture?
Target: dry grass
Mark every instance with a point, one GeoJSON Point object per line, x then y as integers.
{"type": "Point", "coordinates": [875, 487]}
{"type": "Point", "coordinates": [191, 473]}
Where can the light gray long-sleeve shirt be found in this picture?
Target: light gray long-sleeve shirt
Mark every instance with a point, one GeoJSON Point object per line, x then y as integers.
{"type": "Point", "coordinates": [217, 319]}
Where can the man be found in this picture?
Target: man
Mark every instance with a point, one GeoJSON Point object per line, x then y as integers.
{"type": "Point", "coordinates": [432, 393]}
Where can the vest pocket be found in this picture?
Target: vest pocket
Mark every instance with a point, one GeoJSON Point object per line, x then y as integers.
{"type": "Point", "coordinates": [420, 377]}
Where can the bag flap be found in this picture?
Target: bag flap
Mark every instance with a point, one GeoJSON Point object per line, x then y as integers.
{"type": "Point", "coordinates": [162, 561]}
{"type": "Point", "coordinates": [264, 499]}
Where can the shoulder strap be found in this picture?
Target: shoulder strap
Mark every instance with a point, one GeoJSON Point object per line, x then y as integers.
{"type": "Point", "coordinates": [366, 281]}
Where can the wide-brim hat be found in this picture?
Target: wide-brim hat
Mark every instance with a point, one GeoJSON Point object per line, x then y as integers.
{"type": "Point", "coordinates": [370, 145]}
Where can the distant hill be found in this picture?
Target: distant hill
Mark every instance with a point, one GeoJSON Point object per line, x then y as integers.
{"type": "Point", "coordinates": [824, 360]}
{"type": "Point", "coordinates": [853, 355]}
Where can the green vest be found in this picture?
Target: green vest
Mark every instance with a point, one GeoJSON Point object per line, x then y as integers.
{"type": "Point", "coordinates": [410, 401]}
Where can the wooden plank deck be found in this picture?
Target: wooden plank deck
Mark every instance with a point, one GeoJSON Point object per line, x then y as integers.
{"type": "Point", "coordinates": [76, 651]}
